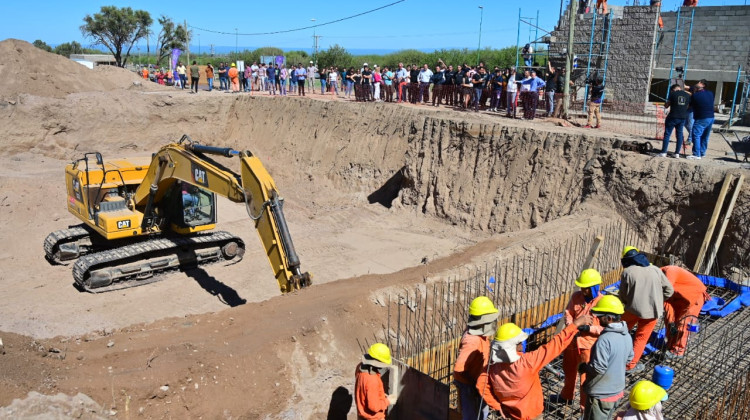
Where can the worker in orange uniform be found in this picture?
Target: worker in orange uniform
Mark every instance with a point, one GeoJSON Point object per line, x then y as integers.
{"type": "Point", "coordinates": [234, 77]}
{"type": "Point", "coordinates": [144, 72]}
{"type": "Point", "coordinates": [579, 351]}
{"type": "Point", "coordinates": [683, 307]}
{"type": "Point", "coordinates": [643, 290]}
{"type": "Point", "coordinates": [369, 394]}
{"type": "Point", "coordinates": [512, 385]}
{"type": "Point", "coordinates": [473, 355]}
{"type": "Point", "coordinates": [601, 6]}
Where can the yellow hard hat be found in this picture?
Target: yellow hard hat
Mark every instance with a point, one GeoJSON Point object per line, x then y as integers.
{"type": "Point", "coordinates": [628, 249]}
{"type": "Point", "coordinates": [609, 304]}
{"type": "Point", "coordinates": [645, 394]}
{"type": "Point", "coordinates": [507, 332]}
{"type": "Point", "coordinates": [233, 65]}
{"type": "Point", "coordinates": [380, 352]}
{"type": "Point", "coordinates": [481, 306]}
{"type": "Point", "coordinates": [589, 277]}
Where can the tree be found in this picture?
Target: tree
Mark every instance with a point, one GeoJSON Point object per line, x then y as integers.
{"type": "Point", "coordinates": [42, 45]}
{"type": "Point", "coordinates": [68, 48]}
{"type": "Point", "coordinates": [336, 55]}
{"type": "Point", "coordinates": [171, 36]}
{"type": "Point", "coordinates": [117, 29]}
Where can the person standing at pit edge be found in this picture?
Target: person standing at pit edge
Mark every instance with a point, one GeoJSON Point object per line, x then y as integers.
{"type": "Point", "coordinates": [195, 76]}
{"type": "Point", "coordinates": [511, 384]}
{"type": "Point", "coordinates": [233, 75]}
{"type": "Point", "coordinates": [605, 383]}
{"type": "Point", "coordinates": [643, 289]}
{"type": "Point", "coordinates": [677, 103]}
{"type": "Point", "coordinates": [579, 351]}
{"type": "Point", "coordinates": [473, 355]}
{"type": "Point", "coordinates": [369, 394]}
{"type": "Point", "coordinates": [703, 112]}
{"type": "Point", "coordinates": [595, 103]}
{"type": "Point", "coordinates": [210, 76]}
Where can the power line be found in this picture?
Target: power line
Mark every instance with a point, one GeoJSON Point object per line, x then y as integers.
{"type": "Point", "coordinates": [300, 29]}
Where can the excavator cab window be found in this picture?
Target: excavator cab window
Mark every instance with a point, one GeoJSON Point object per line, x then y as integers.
{"type": "Point", "coordinates": [197, 206]}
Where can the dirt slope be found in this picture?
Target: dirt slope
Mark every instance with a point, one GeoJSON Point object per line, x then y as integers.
{"type": "Point", "coordinates": [28, 70]}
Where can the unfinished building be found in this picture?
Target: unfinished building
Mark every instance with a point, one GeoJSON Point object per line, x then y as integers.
{"type": "Point", "coordinates": [637, 58]}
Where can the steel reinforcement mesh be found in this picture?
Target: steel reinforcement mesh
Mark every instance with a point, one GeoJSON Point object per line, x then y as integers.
{"type": "Point", "coordinates": [716, 357]}
{"type": "Point", "coordinates": [425, 325]}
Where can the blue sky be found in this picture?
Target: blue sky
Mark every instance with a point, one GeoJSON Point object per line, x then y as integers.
{"type": "Point", "coordinates": [420, 24]}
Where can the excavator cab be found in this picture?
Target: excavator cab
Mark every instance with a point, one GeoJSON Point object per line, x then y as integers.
{"type": "Point", "coordinates": [192, 208]}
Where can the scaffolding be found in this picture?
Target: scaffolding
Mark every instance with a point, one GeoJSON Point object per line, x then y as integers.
{"type": "Point", "coordinates": [680, 57]}
{"type": "Point", "coordinates": [533, 39]}
{"type": "Point", "coordinates": [591, 56]}
{"type": "Point", "coordinates": [598, 53]}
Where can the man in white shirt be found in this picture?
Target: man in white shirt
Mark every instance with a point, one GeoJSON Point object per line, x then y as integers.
{"type": "Point", "coordinates": [424, 83]}
{"type": "Point", "coordinates": [254, 74]}
{"type": "Point", "coordinates": [311, 69]}
{"type": "Point", "coordinates": [401, 75]}
{"type": "Point", "coordinates": [512, 90]}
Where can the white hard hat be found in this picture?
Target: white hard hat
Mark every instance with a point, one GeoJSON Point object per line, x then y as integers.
{"type": "Point", "coordinates": [311, 62]}
{"type": "Point", "coordinates": [363, 65]}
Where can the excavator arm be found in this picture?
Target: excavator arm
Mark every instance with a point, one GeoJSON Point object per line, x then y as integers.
{"type": "Point", "coordinates": [187, 161]}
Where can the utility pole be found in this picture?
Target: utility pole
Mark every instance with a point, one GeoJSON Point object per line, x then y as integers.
{"type": "Point", "coordinates": [236, 41]}
{"type": "Point", "coordinates": [569, 59]}
{"type": "Point", "coordinates": [187, 47]}
{"type": "Point", "coordinates": [315, 48]}
{"type": "Point", "coordinates": [315, 43]}
{"type": "Point", "coordinates": [479, 46]}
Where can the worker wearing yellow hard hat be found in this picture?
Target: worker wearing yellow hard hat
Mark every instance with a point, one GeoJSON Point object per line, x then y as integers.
{"type": "Point", "coordinates": [512, 385]}
{"type": "Point", "coordinates": [369, 394]}
{"type": "Point", "coordinates": [643, 290]}
{"type": "Point", "coordinates": [473, 355]}
{"type": "Point", "coordinates": [644, 402]}
{"type": "Point", "coordinates": [605, 383]}
{"type": "Point", "coordinates": [579, 351]}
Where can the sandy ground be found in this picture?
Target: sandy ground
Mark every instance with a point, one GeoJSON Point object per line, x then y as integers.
{"type": "Point", "coordinates": [197, 344]}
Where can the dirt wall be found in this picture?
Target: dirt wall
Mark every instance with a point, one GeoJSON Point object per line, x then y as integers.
{"type": "Point", "coordinates": [496, 178]}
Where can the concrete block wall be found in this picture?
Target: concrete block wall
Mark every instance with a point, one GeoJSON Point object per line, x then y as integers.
{"type": "Point", "coordinates": [720, 38]}
{"type": "Point", "coordinates": [630, 53]}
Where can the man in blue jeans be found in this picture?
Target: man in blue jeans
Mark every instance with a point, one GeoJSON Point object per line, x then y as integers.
{"type": "Point", "coordinates": [703, 112]}
{"type": "Point", "coordinates": [678, 103]}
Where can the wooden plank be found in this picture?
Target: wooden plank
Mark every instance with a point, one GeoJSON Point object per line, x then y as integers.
{"type": "Point", "coordinates": [593, 253]}
{"type": "Point", "coordinates": [712, 223]}
{"type": "Point", "coordinates": [724, 222]}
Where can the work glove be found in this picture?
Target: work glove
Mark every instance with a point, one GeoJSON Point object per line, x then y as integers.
{"type": "Point", "coordinates": [584, 328]}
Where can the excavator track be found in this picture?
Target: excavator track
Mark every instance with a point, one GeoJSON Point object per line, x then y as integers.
{"type": "Point", "coordinates": [143, 262]}
{"type": "Point", "coordinates": [66, 244]}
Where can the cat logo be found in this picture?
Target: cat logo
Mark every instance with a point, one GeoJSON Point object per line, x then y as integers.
{"type": "Point", "coordinates": [199, 175]}
{"type": "Point", "coordinates": [123, 224]}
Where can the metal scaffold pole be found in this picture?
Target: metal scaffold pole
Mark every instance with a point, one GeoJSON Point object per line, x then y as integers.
{"type": "Point", "coordinates": [518, 37]}
{"type": "Point", "coordinates": [568, 60]}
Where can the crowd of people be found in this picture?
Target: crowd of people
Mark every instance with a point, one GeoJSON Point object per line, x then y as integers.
{"type": "Point", "coordinates": [493, 371]}
{"type": "Point", "coordinates": [465, 87]}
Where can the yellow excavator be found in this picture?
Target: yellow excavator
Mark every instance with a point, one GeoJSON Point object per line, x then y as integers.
{"type": "Point", "coordinates": [143, 217]}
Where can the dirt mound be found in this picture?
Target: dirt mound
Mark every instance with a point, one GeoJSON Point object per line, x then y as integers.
{"type": "Point", "coordinates": [60, 406]}
{"type": "Point", "coordinates": [39, 73]}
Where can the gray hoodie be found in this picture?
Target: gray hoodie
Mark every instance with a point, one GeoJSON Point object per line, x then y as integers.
{"type": "Point", "coordinates": [606, 369]}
